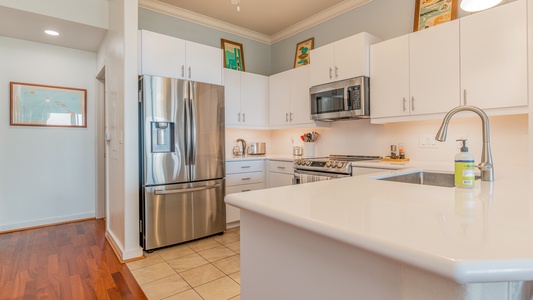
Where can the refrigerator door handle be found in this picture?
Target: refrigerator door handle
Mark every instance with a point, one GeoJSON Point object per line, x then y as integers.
{"type": "Point", "coordinates": [192, 136]}
{"type": "Point", "coordinates": [187, 190]}
{"type": "Point", "coordinates": [187, 129]}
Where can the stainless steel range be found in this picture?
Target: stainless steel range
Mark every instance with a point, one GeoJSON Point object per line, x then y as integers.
{"type": "Point", "coordinates": [325, 168]}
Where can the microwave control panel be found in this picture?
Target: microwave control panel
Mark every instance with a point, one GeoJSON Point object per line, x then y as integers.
{"type": "Point", "coordinates": [354, 94]}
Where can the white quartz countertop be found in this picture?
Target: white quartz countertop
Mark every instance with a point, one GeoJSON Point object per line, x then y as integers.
{"type": "Point", "coordinates": [479, 235]}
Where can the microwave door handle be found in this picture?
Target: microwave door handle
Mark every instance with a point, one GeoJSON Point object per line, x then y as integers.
{"type": "Point", "coordinates": [346, 98]}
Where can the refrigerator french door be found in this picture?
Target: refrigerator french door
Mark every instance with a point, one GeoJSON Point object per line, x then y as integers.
{"type": "Point", "coordinates": [182, 160]}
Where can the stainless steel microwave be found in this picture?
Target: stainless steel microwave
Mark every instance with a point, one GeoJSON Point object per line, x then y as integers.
{"type": "Point", "coordinates": [341, 100]}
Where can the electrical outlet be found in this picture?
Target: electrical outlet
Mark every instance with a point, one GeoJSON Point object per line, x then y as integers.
{"type": "Point", "coordinates": [427, 141]}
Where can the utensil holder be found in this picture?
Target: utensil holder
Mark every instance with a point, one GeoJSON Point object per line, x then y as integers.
{"type": "Point", "coordinates": [309, 149]}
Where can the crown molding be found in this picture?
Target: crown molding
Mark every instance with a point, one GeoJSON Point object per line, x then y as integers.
{"type": "Point", "coordinates": [197, 18]}
{"type": "Point", "coordinates": [321, 17]}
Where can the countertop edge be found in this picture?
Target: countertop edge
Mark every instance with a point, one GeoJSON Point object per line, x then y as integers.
{"type": "Point", "coordinates": [461, 271]}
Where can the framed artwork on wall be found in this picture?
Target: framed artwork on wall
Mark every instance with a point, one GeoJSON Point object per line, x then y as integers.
{"type": "Point", "coordinates": [429, 13]}
{"type": "Point", "coordinates": [303, 53]}
{"type": "Point", "coordinates": [233, 55]}
{"type": "Point", "coordinates": [43, 105]}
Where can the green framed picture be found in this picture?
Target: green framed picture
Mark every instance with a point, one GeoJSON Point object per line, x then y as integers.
{"type": "Point", "coordinates": [233, 55]}
{"type": "Point", "coordinates": [303, 53]}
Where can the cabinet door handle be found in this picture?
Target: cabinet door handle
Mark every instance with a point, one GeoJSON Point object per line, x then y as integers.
{"type": "Point", "coordinates": [336, 72]}
{"type": "Point", "coordinates": [464, 97]}
{"type": "Point", "coordinates": [412, 103]}
{"type": "Point", "coordinates": [404, 104]}
{"type": "Point", "coordinates": [182, 70]}
{"type": "Point", "coordinates": [244, 117]}
{"type": "Point", "coordinates": [286, 117]}
{"type": "Point", "coordinates": [247, 190]}
{"type": "Point", "coordinates": [245, 167]}
{"type": "Point", "coordinates": [330, 71]}
{"type": "Point", "coordinates": [290, 117]}
{"type": "Point", "coordinates": [189, 72]}
{"type": "Point", "coordinates": [239, 118]}
{"type": "Point", "coordinates": [280, 167]}
{"type": "Point", "coordinates": [246, 178]}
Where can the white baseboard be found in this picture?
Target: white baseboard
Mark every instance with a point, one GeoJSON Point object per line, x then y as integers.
{"type": "Point", "coordinates": [123, 255]}
{"type": "Point", "coordinates": [44, 222]}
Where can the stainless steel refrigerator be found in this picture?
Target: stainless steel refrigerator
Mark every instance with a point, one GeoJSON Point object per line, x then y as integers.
{"type": "Point", "coordinates": [182, 160]}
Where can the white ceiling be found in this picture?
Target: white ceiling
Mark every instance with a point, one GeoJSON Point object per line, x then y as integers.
{"type": "Point", "coordinates": [267, 21]}
{"type": "Point", "coordinates": [29, 26]}
{"type": "Point", "coordinates": [267, 17]}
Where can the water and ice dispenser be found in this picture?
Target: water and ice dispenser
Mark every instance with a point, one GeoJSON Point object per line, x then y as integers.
{"type": "Point", "coordinates": [162, 137]}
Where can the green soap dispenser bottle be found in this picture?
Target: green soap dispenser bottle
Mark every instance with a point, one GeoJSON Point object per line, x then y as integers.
{"type": "Point", "coordinates": [464, 168]}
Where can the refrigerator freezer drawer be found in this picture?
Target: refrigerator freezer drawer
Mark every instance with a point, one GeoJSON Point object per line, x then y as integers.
{"type": "Point", "coordinates": [178, 213]}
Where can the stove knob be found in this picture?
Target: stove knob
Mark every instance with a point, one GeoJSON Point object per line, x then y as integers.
{"type": "Point", "coordinates": [340, 164]}
{"type": "Point", "coordinates": [328, 164]}
{"type": "Point", "coordinates": [308, 163]}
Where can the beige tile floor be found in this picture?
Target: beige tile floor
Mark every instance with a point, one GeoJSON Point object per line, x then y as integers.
{"type": "Point", "coordinates": [206, 269]}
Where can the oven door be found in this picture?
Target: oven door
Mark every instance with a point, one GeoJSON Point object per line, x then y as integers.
{"type": "Point", "coordinates": [306, 176]}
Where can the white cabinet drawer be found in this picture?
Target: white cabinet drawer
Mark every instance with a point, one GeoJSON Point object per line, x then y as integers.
{"type": "Point", "coordinates": [244, 178]}
{"type": "Point", "coordinates": [281, 166]}
{"type": "Point", "coordinates": [233, 167]}
{"type": "Point", "coordinates": [243, 188]}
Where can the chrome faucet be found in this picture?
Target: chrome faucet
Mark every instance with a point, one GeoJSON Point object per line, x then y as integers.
{"type": "Point", "coordinates": [486, 166]}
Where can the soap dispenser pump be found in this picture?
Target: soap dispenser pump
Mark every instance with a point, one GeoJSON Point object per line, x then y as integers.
{"type": "Point", "coordinates": [464, 168]}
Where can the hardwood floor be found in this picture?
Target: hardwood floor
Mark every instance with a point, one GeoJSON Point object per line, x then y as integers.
{"type": "Point", "coordinates": [68, 261]}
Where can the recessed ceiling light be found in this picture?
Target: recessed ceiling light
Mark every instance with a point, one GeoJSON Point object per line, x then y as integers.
{"type": "Point", "coordinates": [51, 32]}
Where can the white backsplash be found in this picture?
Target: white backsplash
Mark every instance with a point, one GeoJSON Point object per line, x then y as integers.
{"type": "Point", "coordinates": [509, 139]}
{"type": "Point", "coordinates": [250, 136]}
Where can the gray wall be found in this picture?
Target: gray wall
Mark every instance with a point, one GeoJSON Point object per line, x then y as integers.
{"type": "Point", "coordinates": [383, 18]}
{"type": "Point", "coordinates": [257, 58]}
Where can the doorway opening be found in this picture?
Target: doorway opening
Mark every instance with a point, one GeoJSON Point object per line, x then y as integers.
{"type": "Point", "coordinates": [102, 193]}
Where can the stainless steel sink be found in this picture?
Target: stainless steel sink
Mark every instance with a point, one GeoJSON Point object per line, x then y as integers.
{"type": "Point", "coordinates": [424, 177]}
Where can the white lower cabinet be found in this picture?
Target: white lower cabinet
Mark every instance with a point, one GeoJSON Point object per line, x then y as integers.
{"type": "Point", "coordinates": [281, 173]}
{"type": "Point", "coordinates": [242, 176]}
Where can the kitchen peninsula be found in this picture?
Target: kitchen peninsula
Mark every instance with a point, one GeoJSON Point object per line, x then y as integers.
{"type": "Point", "coordinates": [362, 238]}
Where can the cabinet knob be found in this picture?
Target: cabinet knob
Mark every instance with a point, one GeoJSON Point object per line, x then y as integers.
{"type": "Point", "coordinates": [412, 103]}
{"type": "Point", "coordinates": [189, 72]}
{"type": "Point", "coordinates": [336, 72]}
{"type": "Point", "coordinates": [290, 119]}
{"type": "Point", "coordinates": [330, 75]}
{"type": "Point", "coordinates": [404, 104]}
{"type": "Point", "coordinates": [182, 70]}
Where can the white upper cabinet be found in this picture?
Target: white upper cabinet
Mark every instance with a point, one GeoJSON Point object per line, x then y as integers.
{"type": "Point", "coordinates": [289, 98]}
{"type": "Point", "coordinates": [279, 98]}
{"type": "Point", "coordinates": [299, 96]}
{"type": "Point", "coordinates": [389, 78]}
{"type": "Point", "coordinates": [167, 56]}
{"type": "Point", "coordinates": [434, 69]}
{"type": "Point", "coordinates": [342, 59]}
{"type": "Point", "coordinates": [245, 99]}
{"type": "Point", "coordinates": [494, 57]}
{"type": "Point", "coordinates": [416, 74]}
{"type": "Point", "coordinates": [204, 63]}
